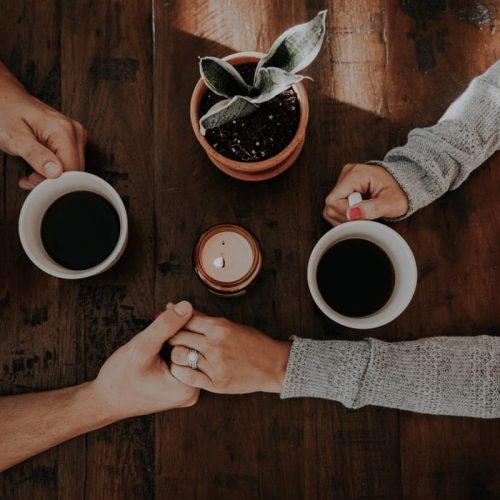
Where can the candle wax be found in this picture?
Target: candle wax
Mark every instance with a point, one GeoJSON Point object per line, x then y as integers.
{"type": "Point", "coordinates": [227, 257]}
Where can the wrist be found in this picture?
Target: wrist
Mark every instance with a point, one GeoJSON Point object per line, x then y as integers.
{"type": "Point", "coordinates": [281, 353]}
{"type": "Point", "coordinates": [97, 408]}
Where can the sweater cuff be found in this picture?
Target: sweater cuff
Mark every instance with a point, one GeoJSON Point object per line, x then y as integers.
{"type": "Point", "coordinates": [408, 178]}
{"type": "Point", "coordinates": [325, 369]}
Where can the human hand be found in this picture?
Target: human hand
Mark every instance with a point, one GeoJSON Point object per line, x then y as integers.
{"type": "Point", "coordinates": [135, 380]}
{"type": "Point", "coordinates": [233, 358]}
{"type": "Point", "coordinates": [385, 196]}
{"type": "Point", "coordinates": [49, 141]}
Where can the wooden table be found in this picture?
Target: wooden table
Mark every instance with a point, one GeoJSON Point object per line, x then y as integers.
{"type": "Point", "coordinates": [126, 70]}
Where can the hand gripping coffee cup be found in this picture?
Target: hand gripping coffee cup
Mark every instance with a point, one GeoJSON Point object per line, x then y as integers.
{"type": "Point", "coordinates": [362, 274]}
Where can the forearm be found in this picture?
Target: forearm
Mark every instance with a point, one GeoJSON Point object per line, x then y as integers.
{"type": "Point", "coordinates": [32, 423]}
{"type": "Point", "coordinates": [439, 158]}
{"type": "Point", "coordinates": [440, 375]}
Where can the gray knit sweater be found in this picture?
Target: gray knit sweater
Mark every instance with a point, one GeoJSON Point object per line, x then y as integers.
{"type": "Point", "coordinates": [441, 375]}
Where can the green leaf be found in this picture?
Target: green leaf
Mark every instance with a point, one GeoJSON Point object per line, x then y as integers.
{"type": "Point", "coordinates": [273, 81]}
{"type": "Point", "coordinates": [222, 78]}
{"type": "Point", "coordinates": [226, 111]}
{"type": "Point", "coordinates": [296, 48]}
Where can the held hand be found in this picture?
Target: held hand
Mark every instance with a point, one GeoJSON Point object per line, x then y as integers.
{"type": "Point", "coordinates": [49, 141]}
{"type": "Point", "coordinates": [135, 380]}
{"type": "Point", "coordinates": [385, 198]}
{"type": "Point", "coordinates": [233, 358]}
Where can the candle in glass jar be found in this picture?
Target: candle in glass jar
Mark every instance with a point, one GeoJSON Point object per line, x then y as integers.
{"type": "Point", "coordinates": [227, 259]}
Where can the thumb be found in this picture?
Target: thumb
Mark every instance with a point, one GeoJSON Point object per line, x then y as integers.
{"type": "Point", "coordinates": [165, 326]}
{"type": "Point", "coordinates": [367, 209]}
{"type": "Point", "coordinates": [42, 159]}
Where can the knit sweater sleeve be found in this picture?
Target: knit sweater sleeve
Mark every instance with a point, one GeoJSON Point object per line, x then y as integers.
{"type": "Point", "coordinates": [441, 375]}
{"type": "Point", "coordinates": [439, 158]}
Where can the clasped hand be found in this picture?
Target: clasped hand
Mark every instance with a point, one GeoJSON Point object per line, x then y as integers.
{"type": "Point", "coordinates": [233, 359]}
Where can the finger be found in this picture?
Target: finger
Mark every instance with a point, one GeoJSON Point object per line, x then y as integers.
{"type": "Point", "coordinates": [64, 144]}
{"type": "Point", "coordinates": [200, 323]}
{"type": "Point", "coordinates": [203, 324]}
{"type": "Point", "coordinates": [25, 184]}
{"type": "Point", "coordinates": [81, 139]}
{"type": "Point", "coordinates": [368, 210]}
{"type": "Point", "coordinates": [340, 206]}
{"type": "Point", "coordinates": [179, 356]}
{"type": "Point", "coordinates": [194, 378]}
{"type": "Point", "coordinates": [164, 327]}
{"type": "Point", "coordinates": [31, 181]}
{"type": "Point", "coordinates": [334, 221]}
{"type": "Point", "coordinates": [333, 213]}
{"type": "Point", "coordinates": [42, 159]}
{"type": "Point", "coordinates": [190, 340]}
{"type": "Point", "coordinates": [341, 191]}
{"type": "Point", "coordinates": [348, 182]}
{"type": "Point", "coordinates": [170, 305]}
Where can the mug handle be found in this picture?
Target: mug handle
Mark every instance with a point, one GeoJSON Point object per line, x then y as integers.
{"type": "Point", "coordinates": [354, 199]}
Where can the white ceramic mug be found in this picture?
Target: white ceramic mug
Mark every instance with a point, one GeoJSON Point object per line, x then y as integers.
{"type": "Point", "coordinates": [40, 199]}
{"type": "Point", "coordinates": [396, 248]}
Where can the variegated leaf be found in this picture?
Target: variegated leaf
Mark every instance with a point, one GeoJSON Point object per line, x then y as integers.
{"type": "Point", "coordinates": [222, 78]}
{"type": "Point", "coordinates": [273, 81]}
{"type": "Point", "coordinates": [226, 111]}
{"type": "Point", "coordinates": [296, 48]}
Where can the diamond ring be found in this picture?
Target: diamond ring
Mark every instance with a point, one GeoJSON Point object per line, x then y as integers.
{"type": "Point", "coordinates": [192, 359]}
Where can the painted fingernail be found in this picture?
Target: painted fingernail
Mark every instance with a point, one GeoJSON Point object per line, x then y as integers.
{"type": "Point", "coordinates": [156, 315]}
{"type": "Point", "coordinates": [355, 213]}
{"type": "Point", "coordinates": [182, 308]}
{"type": "Point", "coordinates": [52, 169]}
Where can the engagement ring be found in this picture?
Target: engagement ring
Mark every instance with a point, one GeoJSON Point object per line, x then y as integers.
{"type": "Point", "coordinates": [192, 359]}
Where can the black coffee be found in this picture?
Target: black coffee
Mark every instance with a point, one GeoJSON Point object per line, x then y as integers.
{"type": "Point", "coordinates": [80, 230]}
{"type": "Point", "coordinates": [355, 277]}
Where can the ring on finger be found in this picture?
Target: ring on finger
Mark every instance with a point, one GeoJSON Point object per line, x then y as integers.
{"type": "Point", "coordinates": [192, 359]}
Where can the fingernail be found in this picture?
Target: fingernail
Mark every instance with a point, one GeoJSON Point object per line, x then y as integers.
{"type": "Point", "coordinates": [52, 169]}
{"type": "Point", "coordinates": [156, 315]}
{"type": "Point", "coordinates": [182, 308]}
{"type": "Point", "coordinates": [355, 213]}
{"type": "Point", "coordinates": [25, 184]}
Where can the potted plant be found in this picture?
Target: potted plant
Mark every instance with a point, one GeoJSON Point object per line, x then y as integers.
{"type": "Point", "coordinates": [249, 110]}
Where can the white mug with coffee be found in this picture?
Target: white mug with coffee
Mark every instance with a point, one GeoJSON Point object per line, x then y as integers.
{"type": "Point", "coordinates": [362, 274]}
{"type": "Point", "coordinates": [74, 226]}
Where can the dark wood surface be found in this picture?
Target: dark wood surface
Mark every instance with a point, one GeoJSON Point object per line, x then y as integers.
{"type": "Point", "coordinates": [126, 71]}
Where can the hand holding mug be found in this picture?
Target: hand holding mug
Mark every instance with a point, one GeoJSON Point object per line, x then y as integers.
{"type": "Point", "coordinates": [49, 141]}
{"type": "Point", "coordinates": [385, 196]}
{"type": "Point", "coordinates": [232, 358]}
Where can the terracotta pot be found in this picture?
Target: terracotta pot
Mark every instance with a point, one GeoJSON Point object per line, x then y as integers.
{"type": "Point", "coordinates": [259, 170]}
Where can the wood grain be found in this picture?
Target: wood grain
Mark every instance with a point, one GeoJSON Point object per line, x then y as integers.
{"type": "Point", "coordinates": [126, 70]}
{"type": "Point", "coordinates": [106, 75]}
{"type": "Point", "coordinates": [36, 350]}
{"type": "Point", "coordinates": [455, 241]}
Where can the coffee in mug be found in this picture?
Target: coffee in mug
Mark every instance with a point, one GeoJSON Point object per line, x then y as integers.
{"type": "Point", "coordinates": [74, 226]}
{"type": "Point", "coordinates": [362, 274]}
{"type": "Point", "coordinates": [355, 277]}
{"type": "Point", "coordinates": [80, 230]}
